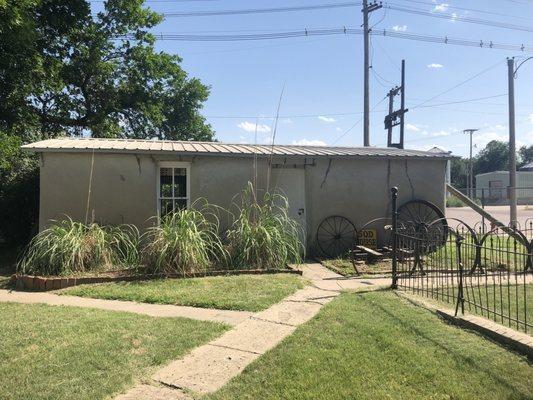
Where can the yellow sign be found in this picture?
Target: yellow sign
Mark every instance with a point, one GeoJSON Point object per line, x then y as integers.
{"type": "Point", "coordinates": [368, 238]}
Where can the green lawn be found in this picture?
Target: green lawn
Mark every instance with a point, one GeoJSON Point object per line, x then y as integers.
{"type": "Point", "coordinates": [377, 346]}
{"type": "Point", "coordinates": [515, 301]}
{"type": "Point", "coordinates": [237, 292]}
{"type": "Point", "coordinates": [72, 353]}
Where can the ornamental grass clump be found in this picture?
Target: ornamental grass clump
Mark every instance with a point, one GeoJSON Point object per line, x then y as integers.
{"type": "Point", "coordinates": [263, 236]}
{"type": "Point", "coordinates": [184, 242]}
{"type": "Point", "coordinates": [70, 247]}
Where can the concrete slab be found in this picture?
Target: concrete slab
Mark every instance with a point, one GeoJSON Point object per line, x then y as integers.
{"type": "Point", "coordinates": [206, 369]}
{"type": "Point", "coordinates": [155, 310]}
{"type": "Point", "coordinates": [148, 392]}
{"type": "Point", "coordinates": [289, 313]}
{"type": "Point", "coordinates": [313, 294]}
{"type": "Point", "coordinates": [254, 335]}
{"type": "Point", "coordinates": [318, 272]}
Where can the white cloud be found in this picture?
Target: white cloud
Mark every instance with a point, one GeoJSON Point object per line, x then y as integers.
{"type": "Point", "coordinates": [307, 142]}
{"type": "Point", "coordinates": [530, 117]}
{"type": "Point", "coordinates": [326, 119]}
{"type": "Point", "coordinates": [435, 65]}
{"type": "Point", "coordinates": [441, 133]}
{"type": "Point", "coordinates": [251, 127]}
{"type": "Point", "coordinates": [441, 7]}
{"type": "Point", "coordinates": [287, 121]}
{"type": "Point", "coordinates": [412, 128]}
{"type": "Point", "coordinates": [399, 28]}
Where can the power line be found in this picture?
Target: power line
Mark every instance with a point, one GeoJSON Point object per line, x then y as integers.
{"type": "Point", "coordinates": [335, 31]}
{"type": "Point", "coordinates": [459, 18]}
{"type": "Point", "coordinates": [259, 10]}
{"type": "Point", "coordinates": [477, 10]}
{"type": "Point", "coordinates": [457, 85]}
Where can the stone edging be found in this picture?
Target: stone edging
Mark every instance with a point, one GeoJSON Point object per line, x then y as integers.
{"type": "Point", "coordinates": [518, 341]}
{"type": "Point", "coordinates": [43, 283]}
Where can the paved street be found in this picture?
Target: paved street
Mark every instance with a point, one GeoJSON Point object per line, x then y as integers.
{"type": "Point", "coordinates": [469, 216]}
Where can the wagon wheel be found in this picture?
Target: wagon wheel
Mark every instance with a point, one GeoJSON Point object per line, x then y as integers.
{"type": "Point", "coordinates": [424, 218]}
{"type": "Point", "coordinates": [335, 235]}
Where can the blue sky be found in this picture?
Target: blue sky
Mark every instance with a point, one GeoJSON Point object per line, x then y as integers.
{"type": "Point", "coordinates": [323, 76]}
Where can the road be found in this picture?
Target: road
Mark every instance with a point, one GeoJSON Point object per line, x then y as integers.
{"type": "Point", "coordinates": [470, 217]}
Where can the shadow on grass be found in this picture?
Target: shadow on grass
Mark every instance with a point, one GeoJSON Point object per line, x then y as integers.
{"type": "Point", "coordinates": [461, 358]}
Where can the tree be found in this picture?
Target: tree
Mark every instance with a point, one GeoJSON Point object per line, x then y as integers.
{"type": "Point", "coordinates": [66, 71]}
{"type": "Point", "coordinates": [459, 172]}
{"type": "Point", "coordinates": [494, 157]}
{"type": "Point", "coordinates": [526, 154]}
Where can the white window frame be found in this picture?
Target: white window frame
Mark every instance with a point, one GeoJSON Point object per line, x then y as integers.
{"type": "Point", "coordinates": [173, 164]}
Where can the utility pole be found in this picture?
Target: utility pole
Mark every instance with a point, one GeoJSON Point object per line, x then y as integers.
{"type": "Point", "coordinates": [391, 120]}
{"type": "Point", "coordinates": [402, 106]}
{"type": "Point", "coordinates": [470, 183]}
{"type": "Point", "coordinates": [367, 9]}
{"type": "Point", "coordinates": [512, 144]}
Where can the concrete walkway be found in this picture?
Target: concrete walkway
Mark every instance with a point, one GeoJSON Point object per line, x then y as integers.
{"type": "Point", "coordinates": [209, 367]}
{"type": "Point", "coordinates": [154, 310]}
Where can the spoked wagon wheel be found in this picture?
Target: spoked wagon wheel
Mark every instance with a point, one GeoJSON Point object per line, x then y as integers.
{"type": "Point", "coordinates": [335, 235]}
{"type": "Point", "coordinates": [424, 218]}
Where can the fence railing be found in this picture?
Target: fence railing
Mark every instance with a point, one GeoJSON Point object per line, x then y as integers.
{"type": "Point", "coordinates": [482, 271]}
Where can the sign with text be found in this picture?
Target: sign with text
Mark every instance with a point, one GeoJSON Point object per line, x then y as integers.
{"type": "Point", "coordinates": [368, 238]}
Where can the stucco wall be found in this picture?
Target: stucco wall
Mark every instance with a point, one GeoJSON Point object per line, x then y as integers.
{"type": "Point", "coordinates": [124, 185]}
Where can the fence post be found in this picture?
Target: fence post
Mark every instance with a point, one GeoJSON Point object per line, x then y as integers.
{"type": "Point", "coordinates": [460, 295]}
{"type": "Point", "coordinates": [394, 193]}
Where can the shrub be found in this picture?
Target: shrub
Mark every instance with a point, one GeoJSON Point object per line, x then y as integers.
{"type": "Point", "coordinates": [263, 235]}
{"type": "Point", "coordinates": [69, 247]}
{"type": "Point", "coordinates": [184, 242]}
{"type": "Point", "coordinates": [454, 202]}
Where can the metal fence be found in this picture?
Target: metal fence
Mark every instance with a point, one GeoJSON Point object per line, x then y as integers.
{"type": "Point", "coordinates": [481, 270]}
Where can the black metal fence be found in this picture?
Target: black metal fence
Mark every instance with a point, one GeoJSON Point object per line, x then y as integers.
{"type": "Point", "coordinates": [481, 270]}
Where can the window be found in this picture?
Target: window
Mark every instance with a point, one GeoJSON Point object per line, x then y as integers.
{"type": "Point", "coordinates": [172, 188]}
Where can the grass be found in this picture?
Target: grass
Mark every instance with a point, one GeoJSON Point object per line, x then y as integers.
{"type": "Point", "coordinates": [69, 247]}
{"type": "Point", "coordinates": [345, 267]}
{"type": "Point", "coordinates": [184, 242]}
{"type": "Point", "coordinates": [377, 346]}
{"type": "Point", "coordinates": [238, 292]}
{"type": "Point", "coordinates": [262, 234]}
{"type": "Point", "coordinates": [515, 301]}
{"type": "Point", "coordinates": [72, 353]}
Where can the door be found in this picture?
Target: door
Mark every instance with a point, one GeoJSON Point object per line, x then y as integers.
{"type": "Point", "coordinates": [291, 183]}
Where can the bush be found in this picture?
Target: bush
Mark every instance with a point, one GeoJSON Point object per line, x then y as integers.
{"type": "Point", "coordinates": [184, 242]}
{"type": "Point", "coordinates": [70, 247]}
{"type": "Point", "coordinates": [263, 235]}
{"type": "Point", "coordinates": [454, 202]}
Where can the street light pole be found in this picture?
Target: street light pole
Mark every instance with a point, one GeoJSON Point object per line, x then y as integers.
{"type": "Point", "coordinates": [511, 76]}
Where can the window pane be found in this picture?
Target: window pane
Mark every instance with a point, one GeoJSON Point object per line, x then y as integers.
{"type": "Point", "coordinates": [180, 182]}
{"type": "Point", "coordinates": [180, 204]}
{"type": "Point", "coordinates": [166, 182]}
{"type": "Point", "coordinates": [166, 207]}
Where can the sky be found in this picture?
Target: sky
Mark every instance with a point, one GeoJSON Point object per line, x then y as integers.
{"type": "Point", "coordinates": [321, 77]}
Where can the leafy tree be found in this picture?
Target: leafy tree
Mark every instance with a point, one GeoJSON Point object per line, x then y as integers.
{"type": "Point", "coordinates": [459, 172]}
{"type": "Point", "coordinates": [494, 157]}
{"type": "Point", "coordinates": [66, 71]}
{"type": "Point", "coordinates": [526, 154]}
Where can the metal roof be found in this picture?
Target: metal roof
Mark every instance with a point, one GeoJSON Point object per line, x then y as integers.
{"type": "Point", "coordinates": [216, 148]}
